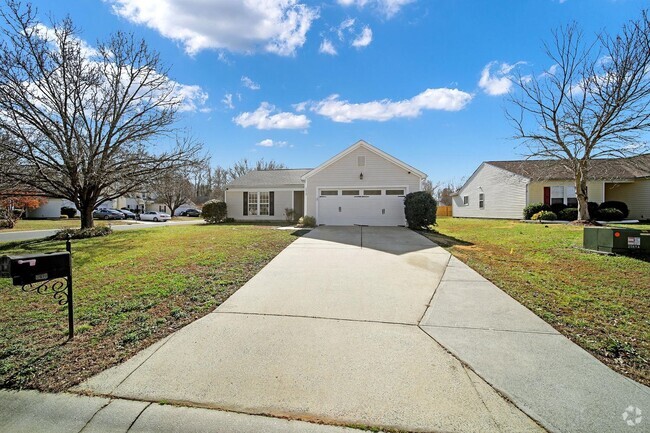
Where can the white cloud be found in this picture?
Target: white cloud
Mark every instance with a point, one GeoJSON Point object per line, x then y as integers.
{"type": "Point", "coordinates": [385, 7]}
{"type": "Point", "coordinates": [270, 143]}
{"type": "Point", "coordinates": [326, 47]}
{"type": "Point", "coordinates": [496, 79]}
{"type": "Point", "coordinates": [247, 82]}
{"type": "Point", "coordinates": [192, 97]}
{"type": "Point", "coordinates": [364, 39]}
{"type": "Point", "coordinates": [263, 118]}
{"type": "Point", "coordinates": [347, 24]}
{"type": "Point", "coordinates": [382, 110]}
{"type": "Point", "coordinates": [227, 101]}
{"type": "Point", "coordinates": [276, 26]}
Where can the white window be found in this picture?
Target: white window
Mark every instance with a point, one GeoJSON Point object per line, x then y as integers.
{"type": "Point", "coordinates": [571, 199]}
{"type": "Point", "coordinates": [253, 203]}
{"type": "Point", "coordinates": [162, 208]}
{"type": "Point", "coordinates": [465, 200]}
{"type": "Point", "coordinates": [350, 192]}
{"type": "Point", "coordinates": [557, 194]}
{"type": "Point", "coordinates": [481, 201]}
{"type": "Point", "coordinates": [259, 203]}
{"type": "Point", "coordinates": [394, 192]}
{"type": "Point", "coordinates": [371, 192]}
{"type": "Point", "coordinates": [329, 192]}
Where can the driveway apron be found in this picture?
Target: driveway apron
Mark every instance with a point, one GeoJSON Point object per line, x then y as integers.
{"type": "Point", "coordinates": [326, 332]}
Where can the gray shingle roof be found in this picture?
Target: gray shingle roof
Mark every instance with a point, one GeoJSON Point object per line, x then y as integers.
{"type": "Point", "coordinates": [270, 178]}
{"type": "Point", "coordinates": [600, 169]}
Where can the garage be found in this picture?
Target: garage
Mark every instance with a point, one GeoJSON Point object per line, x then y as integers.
{"type": "Point", "coordinates": [379, 206]}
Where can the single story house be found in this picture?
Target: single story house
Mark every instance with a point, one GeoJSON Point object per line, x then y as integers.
{"type": "Point", "coordinates": [501, 189]}
{"type": "Point", "coordinates": [360, 185]}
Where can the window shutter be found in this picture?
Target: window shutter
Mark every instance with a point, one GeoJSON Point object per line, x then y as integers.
{"type": "Point", "coordinates": [271, 203]}
{"type": "Point", "coordinates": [245, 203]}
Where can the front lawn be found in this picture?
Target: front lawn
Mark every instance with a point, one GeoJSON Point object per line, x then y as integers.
{"type": "Point", "coordinates": [600, 302]}
{"type": "Point", "coordinates": [131, 289]}
{"type": "Point", "coordinates": [27, 225]}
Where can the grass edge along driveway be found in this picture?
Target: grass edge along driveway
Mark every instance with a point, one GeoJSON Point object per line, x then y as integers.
{"type": "Point", "coordinates": [602, 303]}
{"type": "Point", "coordinates": [130, 289]}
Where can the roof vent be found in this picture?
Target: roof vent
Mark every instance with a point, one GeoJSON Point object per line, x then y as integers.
{"type": "Point", "coordinates": [361, 161]}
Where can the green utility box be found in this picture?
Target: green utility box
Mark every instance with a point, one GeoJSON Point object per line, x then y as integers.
{"type": "Point", "coordinates": [615, 240]}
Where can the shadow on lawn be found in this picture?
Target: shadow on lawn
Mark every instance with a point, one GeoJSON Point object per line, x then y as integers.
{"type": "Point", "coordinates": [444, 240]}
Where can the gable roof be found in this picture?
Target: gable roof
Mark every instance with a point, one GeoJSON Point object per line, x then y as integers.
{"type": "Point", "coordinates": [368, 146]}
{"type": "Point", "coordinates": [600, 169]}
{"type": "Point", "coordinates": [284, 178]}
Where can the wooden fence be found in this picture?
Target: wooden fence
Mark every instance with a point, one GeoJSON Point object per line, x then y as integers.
{"type": "Point", "coordinates": [444, 211]}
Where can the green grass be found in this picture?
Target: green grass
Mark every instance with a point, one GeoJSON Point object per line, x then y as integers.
{"type": "Point", "coordinates": [600, 302]}
{"type": "Point", "coordinates": [26, 225]}
{"type": "Point", "coordinates": [131, 289]}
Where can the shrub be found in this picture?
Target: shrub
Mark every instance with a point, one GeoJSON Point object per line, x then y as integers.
{"type": "Point", "coordinates": [70, 212]}
{"type": "Point", "coordinates": [63, 217]}
{"type": "Point", "coordinates": [616, 205]}
{"type": "Point", "coordinates": [82, 233]}
{"type": "Point", "coordinates": [6, 224]}
{"type": "Point", "coordinates": [420, 209]}
{"type": "Point", "coordinates": [609, 214]}
{"type": "Point", "coordinates": [228, 220]}
{"type": "Point", "coordinates": [307, 221]}
{"type": "Point", "coordinates": [214, 211]}
{"type": "Point", "coordinates": [534, 208]}
{"type": "Point", "coordinates": [545, 215]}
{"type": "Point", "coordinates": [556, 208]}
{"type": "Point", "coordinates": [592, 207]}
{"type": "Point", "coordinates": [289, 215]}
{"type": "Point", "coordinates": [568, 214]}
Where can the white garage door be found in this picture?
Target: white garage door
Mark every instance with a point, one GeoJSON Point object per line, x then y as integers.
{"type": "Point", "coordinates": [373, 207]}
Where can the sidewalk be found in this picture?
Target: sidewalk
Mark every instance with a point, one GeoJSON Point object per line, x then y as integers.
{"type": "Point", "coordinates": [34, 412]}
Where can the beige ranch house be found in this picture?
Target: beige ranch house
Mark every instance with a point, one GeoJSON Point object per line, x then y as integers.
{"type": "Point", "coordinates": [361, 185]}
{"type": "Point", "coordinates": [501, 189]}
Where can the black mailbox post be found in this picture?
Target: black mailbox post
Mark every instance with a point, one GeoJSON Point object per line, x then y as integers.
{"type": "Point", "coordinates": [44, 274]}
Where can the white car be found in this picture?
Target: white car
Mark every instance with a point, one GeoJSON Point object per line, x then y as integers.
{"type": "Point", "coordinates": [154, 216]}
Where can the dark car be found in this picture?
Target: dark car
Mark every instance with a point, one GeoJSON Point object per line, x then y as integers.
{"type": "Point", "coordinates": [108, 214]}
{"type": "Point", "coordinates": [127, 213]}
{"type": "Point", "coordinates": [191, 213]}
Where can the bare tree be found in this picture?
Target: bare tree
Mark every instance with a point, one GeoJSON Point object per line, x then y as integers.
{"type": "Point", "coordinates": [594, 101]}
{"type": "Point", "coordinates": [80, 121]}
{"type": "Point", "coordinates": [443, 193]}
{"type": "Point", "coordinates": [219, 180]}
{"type": "Point", "coordinates": [174, 189]}
{"type": "Point", "coordinates": [243, 166]}
{"type": "Point", "coordinates": [429, 187]}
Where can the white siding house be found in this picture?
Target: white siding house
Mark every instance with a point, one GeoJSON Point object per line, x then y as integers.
{"type": "Point", "coordinates": [360, 185]}
{"type": "Point", "coordinates": [501, 189]}
{"type": "Point", "coordinates": [491, 192]}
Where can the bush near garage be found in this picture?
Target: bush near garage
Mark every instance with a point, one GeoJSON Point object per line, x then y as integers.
{"type": "Point", "coordinates": [420, 210]}
{"type": "Point", "coordinates": [592, 207]}
{"type": "Point", "coordinates": [307, 221]}
{"type": "Point", "coordinates": [534, 208]}
{"type": "Point", "coordinates": [568, 214]}
{"type": "Point", "coordinates": [615, 205]}
{"type": "Point", "coordinates": [214, 211]}
{"type": "Point", "coordinates": [609, 214]}
{"type": "Point", "coordinates": [545, 215]}
{"type": "Point", "coordinates": [556, 208]}
{"type": "Point", "coordinates": [70, 212]}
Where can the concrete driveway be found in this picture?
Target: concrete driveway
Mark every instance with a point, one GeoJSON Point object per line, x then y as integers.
{"type": "Point", "coordinates": [326, 332]}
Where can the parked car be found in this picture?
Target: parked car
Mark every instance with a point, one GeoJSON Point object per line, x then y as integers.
{"type": "Point", "coordinates": [107, 214]}
{"type": "Point", "coordinates": [191, 213]}
{"type": "Point", "coordinates": [154, 216]}
{"type": "Point", "coordinates": [127, 213]}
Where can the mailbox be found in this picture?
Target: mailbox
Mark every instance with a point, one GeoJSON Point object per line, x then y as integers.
{"type": "Point", "coordinates": [35, 268]}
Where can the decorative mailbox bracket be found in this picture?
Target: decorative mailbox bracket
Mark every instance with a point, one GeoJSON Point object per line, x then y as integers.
{"type": "Point", "coordinates": [45, 274]}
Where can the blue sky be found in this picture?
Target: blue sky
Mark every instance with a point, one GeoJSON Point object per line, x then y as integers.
{"type": "Point", "coordinates": [298, 81]}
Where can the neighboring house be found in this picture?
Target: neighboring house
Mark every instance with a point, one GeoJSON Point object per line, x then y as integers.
{"type": "Point", "coordinates": [501, 189]}
{"type": "Point", "coordinates": [51, 209]}
{"type": "Point", "coordinates": [361, 185]}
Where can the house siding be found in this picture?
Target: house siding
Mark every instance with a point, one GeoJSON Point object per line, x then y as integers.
{"type": "Point", "coordinates": [536, 190]}
{"type": "Point", "coordinates": [378, 172]}
{"type": "Point", "coordinates": [235, 203]}
{"type": "Point", "coordinates": [636, 195]}
{"type": "Point", "coordinates": [505, 194]}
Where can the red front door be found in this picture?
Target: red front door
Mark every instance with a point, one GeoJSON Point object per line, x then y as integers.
{"type": "Point", "coordinates": [547, 195]}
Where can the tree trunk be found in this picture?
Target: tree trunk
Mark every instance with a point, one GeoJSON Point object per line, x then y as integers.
{"type": "Point", "coordinates": [87, 221]}
{"type": "Point", "coordinates": [581, 194]}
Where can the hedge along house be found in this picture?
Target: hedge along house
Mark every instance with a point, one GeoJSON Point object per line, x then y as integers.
{"type": "Point", "coordinates": [501, 189]}
{"type": "Point", "coordinates": [360, 185]}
